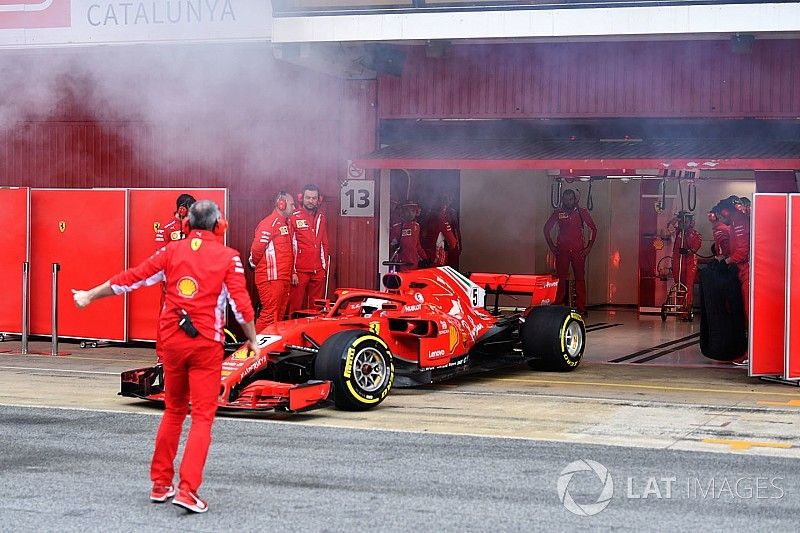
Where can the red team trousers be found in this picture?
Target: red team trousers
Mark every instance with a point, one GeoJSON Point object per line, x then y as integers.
{"type": "Point", "coordinates": [274, 296]}
{"type": "Point", "coordinates": [196, 365]}
{"type": "Point", "coordinates": [310, 287]}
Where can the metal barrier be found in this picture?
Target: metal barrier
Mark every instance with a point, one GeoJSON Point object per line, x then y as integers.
{"type": "Point", "coordinates": [26, 268]}
{"type": "Point", "coordinates": [54, 310]}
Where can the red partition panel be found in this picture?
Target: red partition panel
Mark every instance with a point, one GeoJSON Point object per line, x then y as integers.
{"type": "Point", "coordinates": [767, 284]}
{"type": "Point", "coordinates": [792, 359]}
{"type": "Point", "coordinates": [15, 221]}
{"type": "Point", "coordinates": [84, 231]}
{"type": "Point", "coordinates": [149, 207]}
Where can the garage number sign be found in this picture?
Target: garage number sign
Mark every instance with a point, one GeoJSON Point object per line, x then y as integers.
{"type": "Point", "coordinates": [358, 198]}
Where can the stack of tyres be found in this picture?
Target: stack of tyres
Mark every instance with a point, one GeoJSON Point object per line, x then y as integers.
{"type": "Point", "coordinates": [723, 331]}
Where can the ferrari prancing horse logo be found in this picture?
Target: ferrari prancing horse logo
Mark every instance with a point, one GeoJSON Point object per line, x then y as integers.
{"type": "Point", "coordinates": [156, 226]}
{"type": "Point", "coordinates": [62, 226]}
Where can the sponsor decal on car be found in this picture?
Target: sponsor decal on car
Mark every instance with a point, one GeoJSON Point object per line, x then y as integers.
{"type": "Point", "coordinates": [412, 308]}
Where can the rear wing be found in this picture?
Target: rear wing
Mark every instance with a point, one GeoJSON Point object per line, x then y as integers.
{"type": "Point", "coordinates": [542, 288]}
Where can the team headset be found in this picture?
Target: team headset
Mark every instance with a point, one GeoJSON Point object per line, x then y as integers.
{"type": "Point", "coordinates": [280, 201]}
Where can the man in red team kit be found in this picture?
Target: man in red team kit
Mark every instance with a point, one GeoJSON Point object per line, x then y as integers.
{"type": "Point", "coordinates": [404, 238]}
{"type": "Point", "coordinates": [272, 256]}
{"type": "Point", "coordinates": [570, 248]}
{"type": "Point", "coordinates": [732, 213]}
{"type": "Point", "coordinates": [438, 237]}
{"type": "Point", "coordinates": [171, 230]}
{"type": "Point", "coordinates": [310, 242]}
{"type": "Point", "coordinates": [201, 275]}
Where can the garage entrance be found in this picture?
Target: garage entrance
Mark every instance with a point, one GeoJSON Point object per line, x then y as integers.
{"type": "Point", "coordinates": [633, 175]}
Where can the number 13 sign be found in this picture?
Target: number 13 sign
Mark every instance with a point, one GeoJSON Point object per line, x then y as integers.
{"type": "Point", "coordinates": [358, 198]}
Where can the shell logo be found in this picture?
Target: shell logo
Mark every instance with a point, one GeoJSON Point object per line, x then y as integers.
{"type": "Point", "coordinates": [453, 339]}
{"type": "Point", "coordinates": [187, 287]}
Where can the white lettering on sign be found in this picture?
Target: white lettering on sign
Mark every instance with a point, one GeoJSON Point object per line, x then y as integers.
{"type": "Point", "coordinates": [164, 12]}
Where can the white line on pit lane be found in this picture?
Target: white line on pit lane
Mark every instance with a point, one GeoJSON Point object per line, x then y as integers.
{"type": "Point", "coordinates": [59, 370]}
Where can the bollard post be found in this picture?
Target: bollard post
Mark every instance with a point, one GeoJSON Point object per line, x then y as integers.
{"type": "Point", "coordinates": [25, 284]}
{"type": "Point", "coordinates": [54, 309]}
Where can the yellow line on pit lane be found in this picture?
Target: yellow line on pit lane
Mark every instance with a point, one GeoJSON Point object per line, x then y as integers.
{"type": "Point", "coordinates": [647, 387]}
{"type": "Point", "coordinates": [747, 444]}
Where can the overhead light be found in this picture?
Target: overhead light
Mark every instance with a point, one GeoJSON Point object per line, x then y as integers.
{"type": "Point", "coordinates": [584, 178]}
{"type": "Point", "coordinates": [625, 179]}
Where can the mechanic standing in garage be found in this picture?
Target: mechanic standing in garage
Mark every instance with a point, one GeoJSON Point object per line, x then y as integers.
{"type": "Point", "coordinates": [310, 242]}
{"type": "Point", "coordinates": [201, 274]}
{"type": "Point", "coordinates": [272, 256]}
{"type": "Point", "coordinates": [733, 214]}
{"type": "Point", "coordinates": [570, 248]}
{"type": "Point", "coordinates": [438, 237]}
{"type": "Point", "coordinates": [404, 238]}
{"type": "Point", "coordinates": [171, 230]}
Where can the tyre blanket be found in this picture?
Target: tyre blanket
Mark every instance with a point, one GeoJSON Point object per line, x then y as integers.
{"type": "Point", "coordinates": [723, 331]}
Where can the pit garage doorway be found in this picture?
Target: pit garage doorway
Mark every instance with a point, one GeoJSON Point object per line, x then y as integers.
{"type": "Point", "coordinates": [506, 189]}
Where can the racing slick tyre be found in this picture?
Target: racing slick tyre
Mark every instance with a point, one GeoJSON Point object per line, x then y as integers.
{"type": "Point", "coordinates": [360, 367]}
{"type": "Point", "coordinates": [554, 336]}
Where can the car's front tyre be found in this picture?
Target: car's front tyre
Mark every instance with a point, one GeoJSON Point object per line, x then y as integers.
{"type": "Point", "coordinates": [359, 364]}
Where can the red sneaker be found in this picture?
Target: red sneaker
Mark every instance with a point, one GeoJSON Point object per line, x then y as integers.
{"type": "Point", "coordinates": [161, 493]}
{"type": "Point", "coordinates": [191, 501]}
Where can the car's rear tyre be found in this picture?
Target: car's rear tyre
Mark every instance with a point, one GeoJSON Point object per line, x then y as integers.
{"type": "Point", "coordinates": [359, 364]}
{"type": "Point", "coordinates": [553, 337]}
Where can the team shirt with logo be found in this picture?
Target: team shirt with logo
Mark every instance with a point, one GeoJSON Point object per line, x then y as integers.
{"type": "Point", "coordinates": [271, 252]}
{"type": "Point", "coordinates": [310, 240]}
{"type": "Point", "coordinates": [201, 276]}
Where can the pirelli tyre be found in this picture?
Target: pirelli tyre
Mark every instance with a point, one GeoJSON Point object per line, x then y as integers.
{"type": "Point", "coordinates": [359, 364]}
{"type": "Point", "coordinates": [553, 337]}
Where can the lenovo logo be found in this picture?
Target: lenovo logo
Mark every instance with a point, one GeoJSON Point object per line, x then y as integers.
{"type": "Point", "coordinates": [24, 14]}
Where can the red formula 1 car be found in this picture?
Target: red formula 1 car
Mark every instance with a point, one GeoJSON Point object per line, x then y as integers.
{"type": "Point", "coordinates": [426, 326]}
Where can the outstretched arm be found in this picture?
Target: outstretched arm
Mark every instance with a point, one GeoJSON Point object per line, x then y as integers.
{"type": "Point", "coordinates": [84, 298]}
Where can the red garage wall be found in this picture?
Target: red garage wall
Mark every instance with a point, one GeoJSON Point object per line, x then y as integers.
{"type": "Point", "coordinates": [608, 79]}
{"type": "Point", "coordinates": [319, 123]}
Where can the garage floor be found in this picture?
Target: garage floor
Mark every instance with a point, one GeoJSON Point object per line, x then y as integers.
{"type": "Point", "coordinates": [623, 336]}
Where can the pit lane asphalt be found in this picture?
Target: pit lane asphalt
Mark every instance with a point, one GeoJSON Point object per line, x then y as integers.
{"type": "Point", "coordinates": [81, 470]}
{"type": "Point", "coordinates": [437, 468]}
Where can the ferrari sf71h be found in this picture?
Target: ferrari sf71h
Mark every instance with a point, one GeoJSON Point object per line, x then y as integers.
{"type": "Point", "coordinates": [425, 326]}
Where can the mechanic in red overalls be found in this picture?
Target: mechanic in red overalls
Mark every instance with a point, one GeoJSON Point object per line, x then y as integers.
{"type": "Point", "coordinates": [404, 239]}
{"type": "Point", "coordinates": [570, 248]}
{"type": "Point", "coordinates": [684, 250]}
{"type": "Point", "coordinates": [438, 237]}
{"type": "Point", "coordinates": [201, 276]}
{"type": "Point", "coordinates": [733, 214]}
{"type": "Point", "coordinates": [721, 234]}
{"type": "Point", "coordinates": [171, 230]}
{"type": "Point", "coordinates": [310, 242]}
{"type": "Point", "coordinates": [272, 256]}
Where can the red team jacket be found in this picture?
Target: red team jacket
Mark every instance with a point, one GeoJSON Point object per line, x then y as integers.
{"type": "Point", "coordinates": [310, 240]}
{"type": "Point", "coordinates": [406, 236]}
{"type": "Point", "coordinates": [201, 276]}
{"type": "Point", "coordinates": [570, 228]}
{"type": "Point", "coordinates": [436, 234]}
{"type": "Point", "coordinates": [721, 238]}
{"type": "Point", "coordinates": [271, 252]}
{"type": "Point", "coordinates": [169, 231]}
{"type": "Point", "coordinates": [739, 238]}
